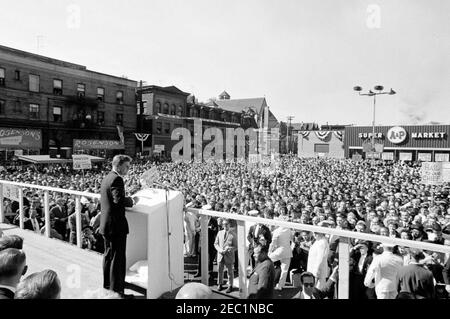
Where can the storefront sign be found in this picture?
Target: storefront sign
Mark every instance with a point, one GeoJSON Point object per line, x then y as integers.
{"type": "Point", "coordinates": [431, 135]}
{"type": "Point", "coordinates": [11, 192]}
{"type": "Point", "coordinates": [97, 144]}
{"type": "Point", "coordinates": [81, 162]}
{"type": "Point", "coordinates": [396, 135]}
{"type": "Point", "coordinates": [159, 147]}
{"type": "Point", "coordinates": [357, 157]}
{"type": "Point", "coordinates": [20, 138]}
{"type": "Point", "coordinates": [369, 135]}
{"type": "Point", "coordinates": [424, 157]}
{"type": "Point", "coordinates": [374, 155]}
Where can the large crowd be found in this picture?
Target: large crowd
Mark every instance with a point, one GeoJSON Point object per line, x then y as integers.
{"type": "Point", "coordinates": [385, 198]}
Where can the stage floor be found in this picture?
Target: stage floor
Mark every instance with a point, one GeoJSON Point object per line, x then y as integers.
{"type": "Point", "coordinates": [79, 270]}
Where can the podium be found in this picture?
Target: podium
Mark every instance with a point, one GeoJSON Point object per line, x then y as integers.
{"type": "Point", "coordinates": [156, 240]}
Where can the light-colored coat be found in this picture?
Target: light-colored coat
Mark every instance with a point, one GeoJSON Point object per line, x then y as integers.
{"type": "Point", "coordinates": [280, 248]}
{"type": "Point", "coordinates": [222, 242]}
{"type": "Point", "coordinates": [318, 260]}
{"type": "Point", "coordinates": [384, 269]}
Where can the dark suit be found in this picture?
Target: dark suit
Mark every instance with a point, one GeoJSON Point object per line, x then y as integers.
{"type": "Point", "coordinates": [5, 293]}
{"type": "Point", "coordinates": [446, 272]}
{"type": "Point", "coordinates": [356, 281]}
{"type": "Point", "coordinates": [114, 228]}
{"type": "Point", "coordinates": [416, 279]}
{"type": "Point", "coordinates": [327, 292]}
{"type": "Point", "coordinates": [262, 279]}
{"type": "Point", "coordinates": [252, 237]}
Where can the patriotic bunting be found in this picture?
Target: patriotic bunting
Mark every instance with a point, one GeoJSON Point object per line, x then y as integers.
{"type": "Point", "coordinates": [304, 133]}
{"type": "Point", "coordinates": [323, 134]}
{"type": "Point", "coordinates": [338, 134]}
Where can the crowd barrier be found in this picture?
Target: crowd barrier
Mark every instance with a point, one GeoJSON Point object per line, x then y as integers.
{"type": "Point", "coordinates": [243, 258]}
{"type": "Point", "coordinates": [20, 189]}
{"type": "Point", "coordinates": [343, 248]}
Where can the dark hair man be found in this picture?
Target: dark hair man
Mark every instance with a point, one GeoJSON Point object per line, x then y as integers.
{"type": "Point", "coordinates": [12, 268]}
{"type": "Point", "coordinates": [308, 289]}
{"type": "Point", "coordinates": [415, 278]}
{"type": "Point", "coordinates": [114, 225]}
{"type": "Point", "coordinates": [262, 278]}
{"type": "Point", "coordinates": [40, 285]}
{"type": "Point", "coordinates": [11, 241]}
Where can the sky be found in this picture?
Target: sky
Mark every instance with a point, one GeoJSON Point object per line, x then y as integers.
{"type": "Point", "coordinates": [303, 56]}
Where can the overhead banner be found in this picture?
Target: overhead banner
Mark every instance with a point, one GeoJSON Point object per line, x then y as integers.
{"type": "Point", "coordinates": [20, 138]}
{"type": "Point", "coordinates": [97, 144]}
{"type": "Point", "coordinates": [81, 161]}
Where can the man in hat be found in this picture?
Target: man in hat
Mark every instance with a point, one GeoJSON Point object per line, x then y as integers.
{"type": "Point", "coordinates": [384, 269]}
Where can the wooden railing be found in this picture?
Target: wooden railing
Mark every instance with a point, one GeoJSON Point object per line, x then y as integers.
{"type": "Point", "coordinates": [47, 190]}
{"type": "Point", "coordinates": [343, 248]}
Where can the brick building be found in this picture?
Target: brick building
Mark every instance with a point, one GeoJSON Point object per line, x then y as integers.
{"type": "Point", "coordinates": [167, 108]}
{"type": "Point", "coordinates": [67, 106]}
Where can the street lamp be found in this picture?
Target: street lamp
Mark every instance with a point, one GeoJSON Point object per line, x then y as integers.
{"type": "Point", "coordinates": [379, 89]}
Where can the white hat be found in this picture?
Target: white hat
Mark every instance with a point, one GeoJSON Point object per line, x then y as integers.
{"type": "Point", "coordinates": [389, 245]}
{"type": "Point", "coordinates": [253, 213]}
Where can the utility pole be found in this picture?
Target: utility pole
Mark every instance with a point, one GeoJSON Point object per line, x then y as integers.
{"type": "Point", "coordinates": [289, 133]}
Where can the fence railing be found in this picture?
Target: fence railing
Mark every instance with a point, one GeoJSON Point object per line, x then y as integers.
{"type": "Point", "coordinates": [20, 188]}
{"type": "Point", "coordinates": [343, 246]}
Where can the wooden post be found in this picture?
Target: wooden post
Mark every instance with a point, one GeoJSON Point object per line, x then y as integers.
{"type": "Point", "coordinates": [48, 226]}
{"type": "Point", "coordinates": [204, 253]}
{"type": "Point", "coordinates": [21, 217]}
{"type": "Point", "coordinates": [78, 221]}
{"type": "Point", "coordinates": [242, 259]}
{"type": "Point", "coordinates": [2, 208]}
{"type": "Point", "coordinates": [344, 266]}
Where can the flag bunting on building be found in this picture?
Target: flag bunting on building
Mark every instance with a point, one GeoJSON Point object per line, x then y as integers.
{"type": "Point", "coordinates": [338, 134]}
{"type": "Point", "coordinates": [141, 137]}
{"type": "Point", "coordinates": [304, 133]}
{"type": "Point", "coordinates": [322, 134]}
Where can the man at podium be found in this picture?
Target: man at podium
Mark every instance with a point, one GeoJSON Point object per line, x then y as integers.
{"type": "Point", "coordinates": [114, 225]}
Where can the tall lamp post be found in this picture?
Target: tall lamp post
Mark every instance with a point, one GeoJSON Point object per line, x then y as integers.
{"type": "Point", "coordinates": [380, 89]}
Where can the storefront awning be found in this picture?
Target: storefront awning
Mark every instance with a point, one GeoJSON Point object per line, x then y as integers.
{"type": "Point", "coordinates": [46, 159]}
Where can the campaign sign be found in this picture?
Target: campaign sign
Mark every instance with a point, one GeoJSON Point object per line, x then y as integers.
{"type": "Point", "coordinates": [11, 192]}
{"type": "Point", "coordinates": [431, 173]}
{"type": "Point", "coordinates": [81, 161]}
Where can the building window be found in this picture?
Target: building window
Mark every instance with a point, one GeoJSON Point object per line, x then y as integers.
{"type": "Point", "coordinates": [158, 127]}
{"type": "Point", "coordinates": [17, 75]}
{"type": "Point", "coordinates": [2, 77]}
{"type": "Point", "coordinates": [158, 108]}
{"type": "Point", "coordinates": [321, 148]}
{"type": "Point", "coordinates": [100, 117]}
{"type": "Point", "coordinates": [166, 108]}
{"type": "Point", "coordinates": [34, 111]}
{"type": "Point", "coordinates": [57, 87]}
{"type": "Point", "coordinates": [119, 119]}
{"type": "Point", "coordinates": [34, 83]}
{"type": "Point", "coordinates": [81, 90]}
{"type": "Point", "coordinates": [119, 97]}
{"type": "Point", "coordinates": [2, 106]}
{"type": "Point", "coordinates": [180, 110]}
{"type": "Point", "coordinates": [173, 110]}
{"type": "Point", "coordinates": [17, 108]}
{"type": "Point", "coordinates": [166, 128]}
{"type": "Point", "coordinates": [57, 114]}
{"type": "Point", "coordinates": [100, 94]}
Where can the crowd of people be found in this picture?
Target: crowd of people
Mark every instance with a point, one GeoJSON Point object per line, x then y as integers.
{"type": "Point", "coordinates": [386, 198]}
